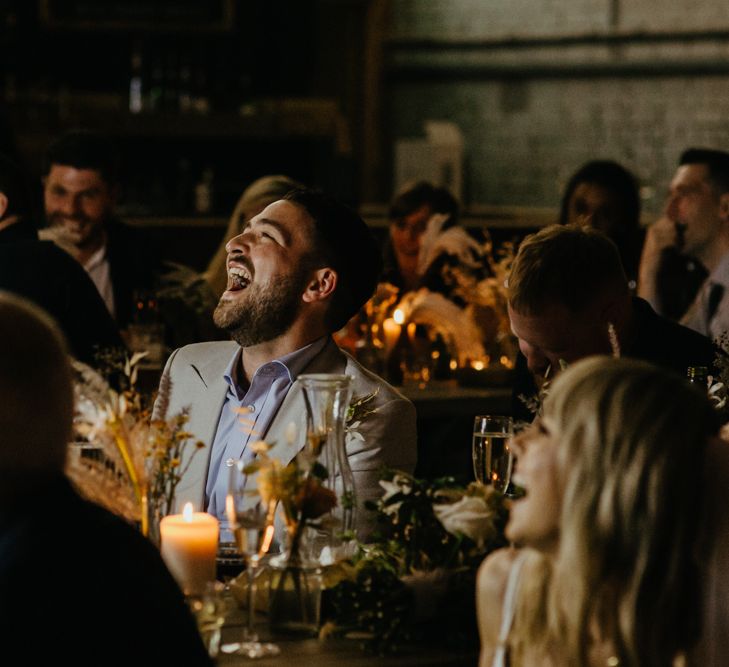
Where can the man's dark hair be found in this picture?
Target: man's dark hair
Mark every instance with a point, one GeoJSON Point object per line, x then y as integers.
{"type": "Point", "coordinates": [417, 194]}
{"type": "Point", "coordinates": [717, 163]}
{"type": "Point", "coordinates": [14, 186]}
{"type": "Point", "coordinates": [614, 178]}
{"type": "Point", "coordinates": [84, 149]}
{"type": "Point", "coordinates": [342, 241]}
{"type": "Point", "coordinates": [567, 264]}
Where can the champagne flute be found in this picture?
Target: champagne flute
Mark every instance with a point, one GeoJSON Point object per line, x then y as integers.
{"type": "Point", "coordinates": [252, 526]}
{"type": "Point", "coordinates": [492, 456]}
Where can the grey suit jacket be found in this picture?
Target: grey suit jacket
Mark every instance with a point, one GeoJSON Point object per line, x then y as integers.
{"type": "Point", "coordinates": [196, 376]}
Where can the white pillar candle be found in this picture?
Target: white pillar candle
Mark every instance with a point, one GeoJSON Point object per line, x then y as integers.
{"type": "Point", "coordinates": [189, 547]}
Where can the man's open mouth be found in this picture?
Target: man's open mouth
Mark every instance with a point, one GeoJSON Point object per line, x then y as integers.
{"type": "Point", "coordinates": [238, 278]}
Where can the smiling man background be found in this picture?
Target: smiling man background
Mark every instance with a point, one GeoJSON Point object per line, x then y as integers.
{"type": "Point", "coordinates": [296, 274]}
{"type": "Point", "coordinates": [80, 192]}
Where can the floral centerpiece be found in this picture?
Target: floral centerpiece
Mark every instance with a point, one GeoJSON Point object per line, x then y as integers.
{"type": "Point", "coordinates": [415, 580]}
{"type": "Point", "coordinates": [137, 458]}
{"type": "Point", "coordinates": [459, 307]}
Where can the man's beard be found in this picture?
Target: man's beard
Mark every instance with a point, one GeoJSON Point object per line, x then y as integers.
{"type": "Point", "coordinates": [265, 314]}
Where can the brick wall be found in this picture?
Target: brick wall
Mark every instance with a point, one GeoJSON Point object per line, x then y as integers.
{"type": "Point", "coordinates": [538, 88]}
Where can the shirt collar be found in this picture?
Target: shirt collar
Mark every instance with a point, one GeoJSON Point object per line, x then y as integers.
{"type": "Point", "coordinates": [720, 274]}
{"type": "Point", "coordinates": [96, 259]}
{"type": "Point", "coordinates": [290, 365]}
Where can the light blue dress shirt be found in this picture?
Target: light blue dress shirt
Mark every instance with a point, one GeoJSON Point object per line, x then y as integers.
{"type": "Point", "coordinates": [247, 415]}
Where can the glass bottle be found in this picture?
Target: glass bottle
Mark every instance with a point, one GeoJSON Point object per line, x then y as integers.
{"type": "Point", "coordinates": [327, 398]}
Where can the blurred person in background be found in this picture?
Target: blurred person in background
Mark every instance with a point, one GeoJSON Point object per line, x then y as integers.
{"type": "Point", "coordinates": [695, 222]}
{"type": "Point", "coordinates": [408, 215]}
{"type": "Point", "coordinates": [77, 584]}
{"type": "Point", "coordinates": [44, 274]}
{"type": "Point", "coordinates": [80, 191]}
{"type": "Point", "coordinates": [604, 195]}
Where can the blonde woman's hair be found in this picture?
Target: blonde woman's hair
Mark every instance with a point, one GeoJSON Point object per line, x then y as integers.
{"type": "Point", "coordinates": [631, 447]}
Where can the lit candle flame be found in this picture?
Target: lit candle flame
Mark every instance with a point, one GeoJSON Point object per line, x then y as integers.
{"type": "Point", "coordinates": [230, 508]}
{"type": "Point", "coordinates": [398, 316]}
{"type": "Point", "coordinates": [477, 365]}
{"type": "Point", "coordinates": [187, 512]}
{"type": "Point", "coordinates": [267, 538]}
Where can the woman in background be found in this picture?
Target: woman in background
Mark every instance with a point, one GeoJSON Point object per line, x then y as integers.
{"type": "Point", "coordinates": [609, 524]}
{"type": "Point", "coordinates": [604, 195]}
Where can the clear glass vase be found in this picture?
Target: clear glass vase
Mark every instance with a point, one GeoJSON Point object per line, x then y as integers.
{"type": "Point", "coordinates": [294, 596]}
{"type": "Point", "coordinates": [327, 398]}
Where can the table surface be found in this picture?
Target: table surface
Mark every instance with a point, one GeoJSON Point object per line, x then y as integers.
{"type": "Point", "coordinates": [340, 652]}
{"type": "Point", "coordinates": [441, 399]}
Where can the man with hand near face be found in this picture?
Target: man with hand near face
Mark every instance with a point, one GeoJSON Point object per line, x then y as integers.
{"type": "Point", "coordinates": [696, 221]}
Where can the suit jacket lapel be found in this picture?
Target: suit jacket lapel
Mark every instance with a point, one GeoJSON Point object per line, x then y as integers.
{"type": "Point", "coordinates": [206, 396]}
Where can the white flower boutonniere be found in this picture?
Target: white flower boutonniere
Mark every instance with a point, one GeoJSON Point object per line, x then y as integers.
{"type": "Point", "coordinates": [359, 409]}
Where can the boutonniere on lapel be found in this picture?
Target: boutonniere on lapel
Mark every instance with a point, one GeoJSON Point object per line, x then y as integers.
{"type": "Point", "coordinates": [359, 409]}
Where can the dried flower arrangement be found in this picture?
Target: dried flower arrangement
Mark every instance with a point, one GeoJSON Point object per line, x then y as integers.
{"type": "Point", "coordinates": [137, 461]}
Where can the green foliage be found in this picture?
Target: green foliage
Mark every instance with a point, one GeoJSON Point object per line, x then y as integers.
{"type": "Point", "coordinates": [415, 580]}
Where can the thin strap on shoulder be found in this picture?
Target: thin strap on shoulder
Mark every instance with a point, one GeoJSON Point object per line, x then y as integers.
{"type": "Point", "coordinates": [508, 611]}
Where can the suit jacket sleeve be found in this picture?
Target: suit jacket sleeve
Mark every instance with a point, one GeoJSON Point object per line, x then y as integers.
{"type": "Point", "coordinates": [389, 440]}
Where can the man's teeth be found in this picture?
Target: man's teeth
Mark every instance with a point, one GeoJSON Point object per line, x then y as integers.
{"type": "Point", "coordinates": [239, 277]}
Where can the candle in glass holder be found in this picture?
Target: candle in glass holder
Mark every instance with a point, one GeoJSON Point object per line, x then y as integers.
{"type": "Point", "coordinates": [189, 547]}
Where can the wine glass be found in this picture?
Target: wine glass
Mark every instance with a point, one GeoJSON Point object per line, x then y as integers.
{"type": "Point", "coordinates": [252, 526]}
{"type": "Point", "coordinates": [492, 455]}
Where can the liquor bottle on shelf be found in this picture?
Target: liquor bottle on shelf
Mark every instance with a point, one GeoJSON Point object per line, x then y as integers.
{"type": "Point", "coordinates": [697, 375]}
{"type": "Point", "coordinates": [136, 89]}
{"type": "Point", "coordinates": [204, 191]}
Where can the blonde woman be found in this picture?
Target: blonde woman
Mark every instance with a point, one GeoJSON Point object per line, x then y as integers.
{"type": "Point", "coordinates": [610, 522]}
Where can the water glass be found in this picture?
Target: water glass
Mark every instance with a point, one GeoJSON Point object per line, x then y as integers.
{"type": "Point", "coordinates": [492, 456]}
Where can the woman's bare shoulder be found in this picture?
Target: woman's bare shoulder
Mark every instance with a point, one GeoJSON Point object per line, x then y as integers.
{"type": "Point", "coordinates": [493, 575]}
{"type": "Point", "coordinates": [494, 571]}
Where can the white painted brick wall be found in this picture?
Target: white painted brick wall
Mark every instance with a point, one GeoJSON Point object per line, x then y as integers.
{"type": "Point", "coordinates": [523, 140]}
{"type": "Point", "coordinates": [525, 157]}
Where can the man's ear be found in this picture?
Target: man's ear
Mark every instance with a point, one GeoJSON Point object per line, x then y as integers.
{"type": "Point", "coordinates": [321, 285]}
{"type": "Point", "coordinates": [724, 206]}
{"type": "Point", "coordinates": [3, 205]}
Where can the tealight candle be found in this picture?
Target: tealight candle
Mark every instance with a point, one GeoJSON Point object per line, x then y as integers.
{"type": "Point", "coordinates": [189, 546]}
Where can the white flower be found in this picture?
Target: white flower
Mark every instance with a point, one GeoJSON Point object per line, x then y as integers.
{"type": "Point", "coordinates": [718, 395]}
{"type": "Point", "coordinates": [352, 435]}
{"type": "Point", "coordinates": [470, 516]}
{"type": "Point", "coordinates": [399, 484]}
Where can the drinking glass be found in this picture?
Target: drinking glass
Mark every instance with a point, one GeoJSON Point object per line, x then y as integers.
{"type": "Point", "coordinates": [492, 456]}
{"type": "Point", "coordinates": [253, 529]}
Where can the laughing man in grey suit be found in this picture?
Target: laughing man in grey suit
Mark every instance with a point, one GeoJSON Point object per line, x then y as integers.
{"type": "Point", "coordinates": [296, 274]}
